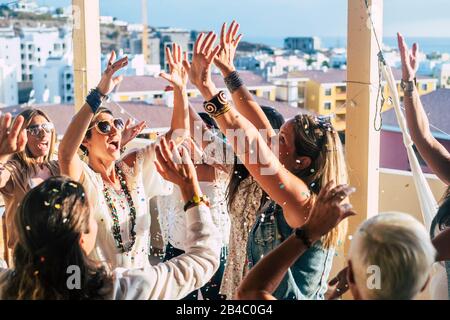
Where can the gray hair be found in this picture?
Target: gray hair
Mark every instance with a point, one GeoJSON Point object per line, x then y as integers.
{"type": "Point", "coordinates": [399, 247]}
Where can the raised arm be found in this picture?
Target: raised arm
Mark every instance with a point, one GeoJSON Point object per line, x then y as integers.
{"type": "Point", "coordinates": [264, 278]}
{"type": "Point", "coordinates": [178, 277]}
{"type": "Point", "coordinates": [69, 161]}
{"type": "Point", "coordinates": [280, 184]}
{"type": "Point", "coordinates": [242, 98]}
{"type": "Point", "coordinates": [434, 153]}
{"type": "Point", "coordinates": [179, 127]}
{"type": "Point", "coordinates": [12, 140]}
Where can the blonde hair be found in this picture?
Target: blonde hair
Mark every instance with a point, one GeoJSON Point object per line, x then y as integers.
{"type": "Point", "coordinates": [316, 138]}
{"type": "Point", "coordinates": [25, 157]}
{"type": "Point", "coordinates": [400, 248]}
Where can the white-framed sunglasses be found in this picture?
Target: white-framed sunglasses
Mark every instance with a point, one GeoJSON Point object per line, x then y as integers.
{"type": "Point", "coordinates": [105, 126]}
{"type": "Point", "coordinates": [36, 129]}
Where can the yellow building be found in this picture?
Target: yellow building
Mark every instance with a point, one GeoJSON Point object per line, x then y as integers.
{"type": "Point", "coordinates": [325, 92]}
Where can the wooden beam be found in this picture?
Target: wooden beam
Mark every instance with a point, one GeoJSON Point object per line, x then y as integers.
{"type": "Point", "coordinates": [86, 48]}
{"type": "Point", "coordinates": [362, 140]}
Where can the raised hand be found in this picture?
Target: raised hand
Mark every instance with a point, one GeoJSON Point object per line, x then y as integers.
{"type": "Point", "coordinates": [228, 46]}
{"type": "Point", "coordinates": [410, 61]}
{"type": "Point", "coordinates": [131, 131]}
{"type": "Point", "coordinates": [108, 82]}
{"type": "Point", "coordinates": [12, 139]}
{"type": "Point", "coordinates": [328, 210]}
{"type": "Point", "coordinates": [178, 75]}
{"type": "Point", "coordinates": [200, 69]}
{"type": "Point", "coordinates": [175, 164]}
{"type": "Point", "coordinates": [338, 285]}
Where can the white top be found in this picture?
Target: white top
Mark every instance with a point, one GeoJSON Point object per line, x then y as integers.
{"type": "Point", "coordinates": [173, 279]}
{"type": "Point", "coordinates": [172, 217]}
{"type": "Point", "coordinates": [220, 155]}
{"type": "Point", "coordinates": [143, 171]}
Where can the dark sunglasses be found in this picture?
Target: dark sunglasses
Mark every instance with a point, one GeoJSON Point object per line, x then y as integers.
{"type": "Point", "coordinates": [105, 126]}
{"type": "Point", "coordinates": [36, 129]}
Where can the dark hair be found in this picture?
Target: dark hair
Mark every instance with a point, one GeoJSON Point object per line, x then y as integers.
{"type": "Point", "coordinates": [49, 222]}
{"type": "Point", "coordinates": [89, 132]}
{"type": "Point", "coordinates": [240, 172]}
{"type": "Point", "coordinates": [442, 218]}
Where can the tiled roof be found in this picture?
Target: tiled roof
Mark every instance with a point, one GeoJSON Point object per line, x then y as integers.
{"type": "Point", "coordinates": [333, 75]}
{"type": "Point", "coordinates": [156, 116]}
{"type": "Point", "coordinates": [147, 83]}
{"type": "Point", "coordinates": [437, 108]}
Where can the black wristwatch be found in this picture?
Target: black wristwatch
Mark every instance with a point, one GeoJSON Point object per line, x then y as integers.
{"type": "Point", "coordinates": [303, 236]}
{"type": "Point", "coordinates": [408, 86]}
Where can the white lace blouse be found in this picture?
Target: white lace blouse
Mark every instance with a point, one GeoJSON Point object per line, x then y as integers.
{"type": "Point", "coordinates": [172, 217]}
{"type": "Point", "coordinates": [173, 279]}
{"type": "Point", "coordinates": [143, 182]}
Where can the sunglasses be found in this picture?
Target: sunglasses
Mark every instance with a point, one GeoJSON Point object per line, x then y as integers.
{"type": "Point", "coordinates": [105, 126]}
{"type": "Point", "coordinates": [36, 129]}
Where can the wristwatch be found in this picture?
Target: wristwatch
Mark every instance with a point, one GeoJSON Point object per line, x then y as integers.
{"type": "Point", "coordinates": [408, 86]}
{"type": "Point", "coordinates": [195, 201]}
{"type": "Point", "coordinates": [301, 234]}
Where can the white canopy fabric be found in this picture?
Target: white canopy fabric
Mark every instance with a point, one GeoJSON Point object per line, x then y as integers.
{"type": "Point", "coordinates": [428, 204]}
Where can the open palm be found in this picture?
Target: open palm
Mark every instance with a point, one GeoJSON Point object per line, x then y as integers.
{"type": "Point", "coordinates": [108, 81]}
{"type": "Point", "coordinates": [410, 61]}
{"type": "Point", "coordinates": [200, 68]}
{"type": "Point", "coordinates": [177, 75]}
{"type": "Point", "coordinates": [228, 46]}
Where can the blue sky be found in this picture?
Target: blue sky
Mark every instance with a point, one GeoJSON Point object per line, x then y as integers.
{"type": "Point", "coordinates": [280, 18]}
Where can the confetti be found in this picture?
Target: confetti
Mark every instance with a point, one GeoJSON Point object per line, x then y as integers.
{"type": "Point", "coordinates": [46, 203]}
{"type": "Point", "coordinates": [28, 228]}
{"type": "Point", "coordinates": [312, 170]}
{"type": "Point", "coordinates": [298, 161]}
{"type": "Point", "coordinates": [350, 238]}
{"type": "Point", "coordinates": [281, 186]}
{"type": "Point", "coordinates": [65, 220]}
{"type": "Point", "coordinates": [57, 206]}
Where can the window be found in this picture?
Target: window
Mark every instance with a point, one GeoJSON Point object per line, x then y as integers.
{"type": "Point", "coordinates": [158, 96]}
{"type": "Point", "coordinates": [327, 105]}
{"type": "Point", "coordinates": [328, 91]}
{"type": "Point", "coordinates": [424, 86]}
{"type": "Point", "coordinates": [30, 46]}
{"type": "Point", "coordinates": [31, 77]}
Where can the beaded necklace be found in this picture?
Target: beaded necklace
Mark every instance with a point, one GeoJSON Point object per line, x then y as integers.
{"type": "Point", "coordinates": [132, 215]}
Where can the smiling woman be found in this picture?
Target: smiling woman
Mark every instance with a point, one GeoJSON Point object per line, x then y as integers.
{"type": "Point", "coordinates": [118, 188]}
{"type": "Point", "coordinates": [26, 155]}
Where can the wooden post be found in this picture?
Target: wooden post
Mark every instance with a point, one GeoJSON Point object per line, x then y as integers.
{"type": "Point", "coordinates": [362, 140]}
{"type": "Point", "coordinates": [86, 48]}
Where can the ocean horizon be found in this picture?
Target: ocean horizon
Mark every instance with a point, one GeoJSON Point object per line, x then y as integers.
{"type": "Point", "coordinates": [426, 44]}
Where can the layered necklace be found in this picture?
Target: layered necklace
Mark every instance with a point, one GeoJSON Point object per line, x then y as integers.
{"type": "Point", "coordinates": [132, 214]}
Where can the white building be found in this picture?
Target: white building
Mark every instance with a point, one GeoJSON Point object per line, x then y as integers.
{"type": "Point", "coordinates": [442, 73]}
{"type": "Point", "coordinates": [8, 84]}
{"type": "Point", "coordinates": [10, 50]}
{"type": "Point", "coordinates": [25, 6]}
{"type": "Point", "coordinates": [338, 58]}
{"type": "Point", "coordinates": [38, 44]}
{"type": "Point", "coordinates": [53, 82]}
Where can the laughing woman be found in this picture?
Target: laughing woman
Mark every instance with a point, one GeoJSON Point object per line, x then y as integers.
{"type": "Point", "coordinates": [119, 189]}
{"type": "Point", "coordinates": [309, 156]}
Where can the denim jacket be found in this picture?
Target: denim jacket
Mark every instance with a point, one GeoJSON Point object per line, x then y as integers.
{"type": "Point", "coordinates": [307, 278]}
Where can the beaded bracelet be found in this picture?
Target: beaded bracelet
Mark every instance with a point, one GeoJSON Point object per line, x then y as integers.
{"type": "Point", "coordinates": [233, 81]}
{"type": "Point", "coordinates": [218, 105]}
{"type": "Point", "coordinates": [95, 99]}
